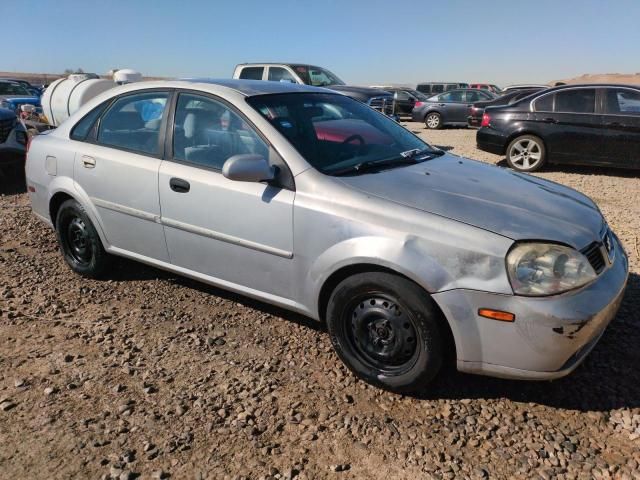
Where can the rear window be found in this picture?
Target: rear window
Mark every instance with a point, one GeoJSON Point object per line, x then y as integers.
{"type": "Point", "coordinates": [251, 73]}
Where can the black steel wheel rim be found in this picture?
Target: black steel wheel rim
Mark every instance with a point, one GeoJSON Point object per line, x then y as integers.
{"type": "Point", "coordinates": [382, 333]}
{"type": "Point", "coordinates": [78, 241]}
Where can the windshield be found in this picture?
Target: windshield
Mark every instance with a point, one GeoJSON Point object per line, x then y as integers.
{"type": "Point", "coordinates": [316, 76]}
{"type": "Point", "coordinates": [335, 133]}
{"type": "Point", "coordinates": [7, 88]}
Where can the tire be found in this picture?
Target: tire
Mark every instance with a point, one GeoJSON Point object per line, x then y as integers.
{"type": "Point", "coordinates": [526, 153]}
{"type": "Point", "coordinates": [79, 241]}
{"type": "Point", "coordinates": [433, 121]}
{"type": "Point", "coordinates": [385, 328]}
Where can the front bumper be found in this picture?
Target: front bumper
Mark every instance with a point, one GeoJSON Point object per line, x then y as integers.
{"type": "Point", "coordinates": [550, 335]}
{"type": "Point", "coordinates": [11, 147]}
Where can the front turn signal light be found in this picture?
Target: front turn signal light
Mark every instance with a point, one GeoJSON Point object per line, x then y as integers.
{"type": "Point", "coordinates": [496, 315]}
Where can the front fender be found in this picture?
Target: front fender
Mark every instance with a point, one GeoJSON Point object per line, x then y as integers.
{"type": "Point", "coordinates": [434, 265]}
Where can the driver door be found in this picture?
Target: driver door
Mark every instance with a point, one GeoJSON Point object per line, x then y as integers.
{"type": "Point", "coordinates": [238, 233]}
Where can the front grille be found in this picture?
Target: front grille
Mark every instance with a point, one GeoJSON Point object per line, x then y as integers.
{"type": "Point", "coordinates": [594, 254]}
{"type": "Point", "coordinates": [5, 128]}
{"type": "Point", "coordinates": [382, 104]}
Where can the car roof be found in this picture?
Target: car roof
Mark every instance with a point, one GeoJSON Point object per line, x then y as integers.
{"type": "Point", "coordinates": [257, 87]}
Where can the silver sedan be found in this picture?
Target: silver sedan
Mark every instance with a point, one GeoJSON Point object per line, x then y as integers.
{"type": "Point", "coordinates": [307, 199]}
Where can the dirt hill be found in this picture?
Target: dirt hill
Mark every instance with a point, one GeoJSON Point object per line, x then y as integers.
{"type": "Point", "coordinates": [626, 78]}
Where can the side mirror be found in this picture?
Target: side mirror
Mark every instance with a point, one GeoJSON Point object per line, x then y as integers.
{"type": "Point", "coordinates": [248, 168]}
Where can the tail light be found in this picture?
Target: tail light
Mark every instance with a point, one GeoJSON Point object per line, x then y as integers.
{"type": "Point", "coordinates": [486, 120]}
{"type": "Point", "coordinates": [418, 104]}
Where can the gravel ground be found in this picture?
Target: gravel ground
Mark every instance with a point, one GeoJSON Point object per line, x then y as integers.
{"type": "Point", "coordinates": [153, 376]}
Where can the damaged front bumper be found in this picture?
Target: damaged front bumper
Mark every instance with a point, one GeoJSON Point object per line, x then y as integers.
{"type": "Point", "coordinates": [550, 335]}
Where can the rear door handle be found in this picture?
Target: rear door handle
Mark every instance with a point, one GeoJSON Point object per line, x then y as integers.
{"type": "Point", "coordinates": [179, 185]}
{"type": "Point", "coordinates": [613, 124]}
{"type": "Point", "coordinates": [88, 162]}
{"type": "Point", "coordinates": [550, 120]}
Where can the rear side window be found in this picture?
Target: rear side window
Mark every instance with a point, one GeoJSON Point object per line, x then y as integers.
{"type": "Point", "coordinates": [622, 101]}
{"type": "Point", "coordinates": [251, 73]}
{"type": "Point", "coordinates": [544, 103]}
{"type": "Point", "coordinates": [133, 123]}
{"type": "Point", "coordinates": [83, 127]}
{"type": "Point", "coordinates": [437, 88]}
{"type": "Point", "coordinates": [576, 101]}
{"type": "Point", "coordinates": [454, 96]}
{"type": "Point", "coordinates": [424, 88]}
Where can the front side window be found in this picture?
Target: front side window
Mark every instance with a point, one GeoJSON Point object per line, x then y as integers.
{"type": "Point", "coordinates": [316, 76]}
{"type": "Point", "coordinates": [581, 100]}
{"type": "Point", "coordinates": [279, 74]}
{"type": "Point", "coordinates": [207, 132]}
{"type": "Point", "coordinates": [622, 101]}
{"type": "Point", "coordinates": [474, 96]}
{"type": "Point", "coordinates": [251, 73]}
{"type": "Point", "coordinates": [334, 132]}
{"type": "Point", "coordinates": [133, 122]}
{"type": "Point", "coordinates": [437, 88]}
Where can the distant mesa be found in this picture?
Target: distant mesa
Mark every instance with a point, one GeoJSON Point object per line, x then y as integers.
{"type": "Point", "coordinates": [624, 78]}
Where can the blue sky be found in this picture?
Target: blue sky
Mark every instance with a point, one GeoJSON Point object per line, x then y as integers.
{"type": "Point", "coordinates": [362, 41]}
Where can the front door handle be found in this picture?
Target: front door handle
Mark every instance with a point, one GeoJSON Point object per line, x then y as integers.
{"type": "Point", "coordinates": [88, 162]}
{"type": "Point", "coordinates": [613, 124]}
{"type": "Point", "coordinates": [549, 120]}
{"type": "Point", "coordinates": [179, 185]}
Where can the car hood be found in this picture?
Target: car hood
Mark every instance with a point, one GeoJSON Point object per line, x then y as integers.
{"type": "Point", "coordinates": [7, 114]}
{"type": "Point", "coordinates": [511, 204]}
{"type": "Point", "coordinates": [365, 91]}
{"type": "Point", "coordinates": [18, 100]}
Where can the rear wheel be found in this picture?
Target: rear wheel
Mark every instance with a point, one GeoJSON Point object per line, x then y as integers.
{"type": "Point", "coordinates": [433, 121]}
{"type": "Point", "coordinates": [526, 153]}
{"type": "Point", "coordinates": [79, 241]}
{"type": "Point", "coordinates": [385, 329]}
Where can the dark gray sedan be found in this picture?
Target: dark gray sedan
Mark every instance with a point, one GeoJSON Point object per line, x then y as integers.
{"type": "Point", "coordinates": [449, 108]}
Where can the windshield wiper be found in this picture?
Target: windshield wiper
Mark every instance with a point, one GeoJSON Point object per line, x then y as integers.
{"type": "Point", "coordinates": [410, 157]}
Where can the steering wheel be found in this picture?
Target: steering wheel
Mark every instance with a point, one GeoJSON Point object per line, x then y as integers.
{"type": "Point", "coordinates": [351, 138]}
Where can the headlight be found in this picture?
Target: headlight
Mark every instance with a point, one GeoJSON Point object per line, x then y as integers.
{"type": "Point", "coordinates": [6, 104]}
{"type": "Point", "coordinates": [537, 269]}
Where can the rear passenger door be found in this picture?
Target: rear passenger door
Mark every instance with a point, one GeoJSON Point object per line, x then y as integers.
{"type": "Point", "coordinates": [621, 119]}
{"type": "Point", "coordinates": [572, 129]}
{"type": "Point", "coordinates": [239, 233]}
{"type": "Point", "coordinates": [454, 108]}
{"type": "Point", "coordinates": [117, 166]}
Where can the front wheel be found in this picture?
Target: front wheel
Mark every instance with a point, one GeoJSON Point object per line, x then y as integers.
{"type": "Point", "coordinates": [385, 329]}
{"type": "Point", "coordinates": [433, 121]}
{"type": "Point", "coordinates": [526, 153]}
{"type": "Point", "coordinates": [79, 241]}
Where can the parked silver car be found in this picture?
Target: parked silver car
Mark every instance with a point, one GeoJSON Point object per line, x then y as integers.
{"type": "Point", "coordinates": [312, 201]}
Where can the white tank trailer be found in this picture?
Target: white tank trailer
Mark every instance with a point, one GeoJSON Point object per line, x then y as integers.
{"type": "Point", "coordinates": [66, 95]}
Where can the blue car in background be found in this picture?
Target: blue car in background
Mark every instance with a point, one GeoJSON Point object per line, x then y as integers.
{"type": "Point", "coordinates": [14, 94]}
{"type": "Point", "coordinates": [13, 134]}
